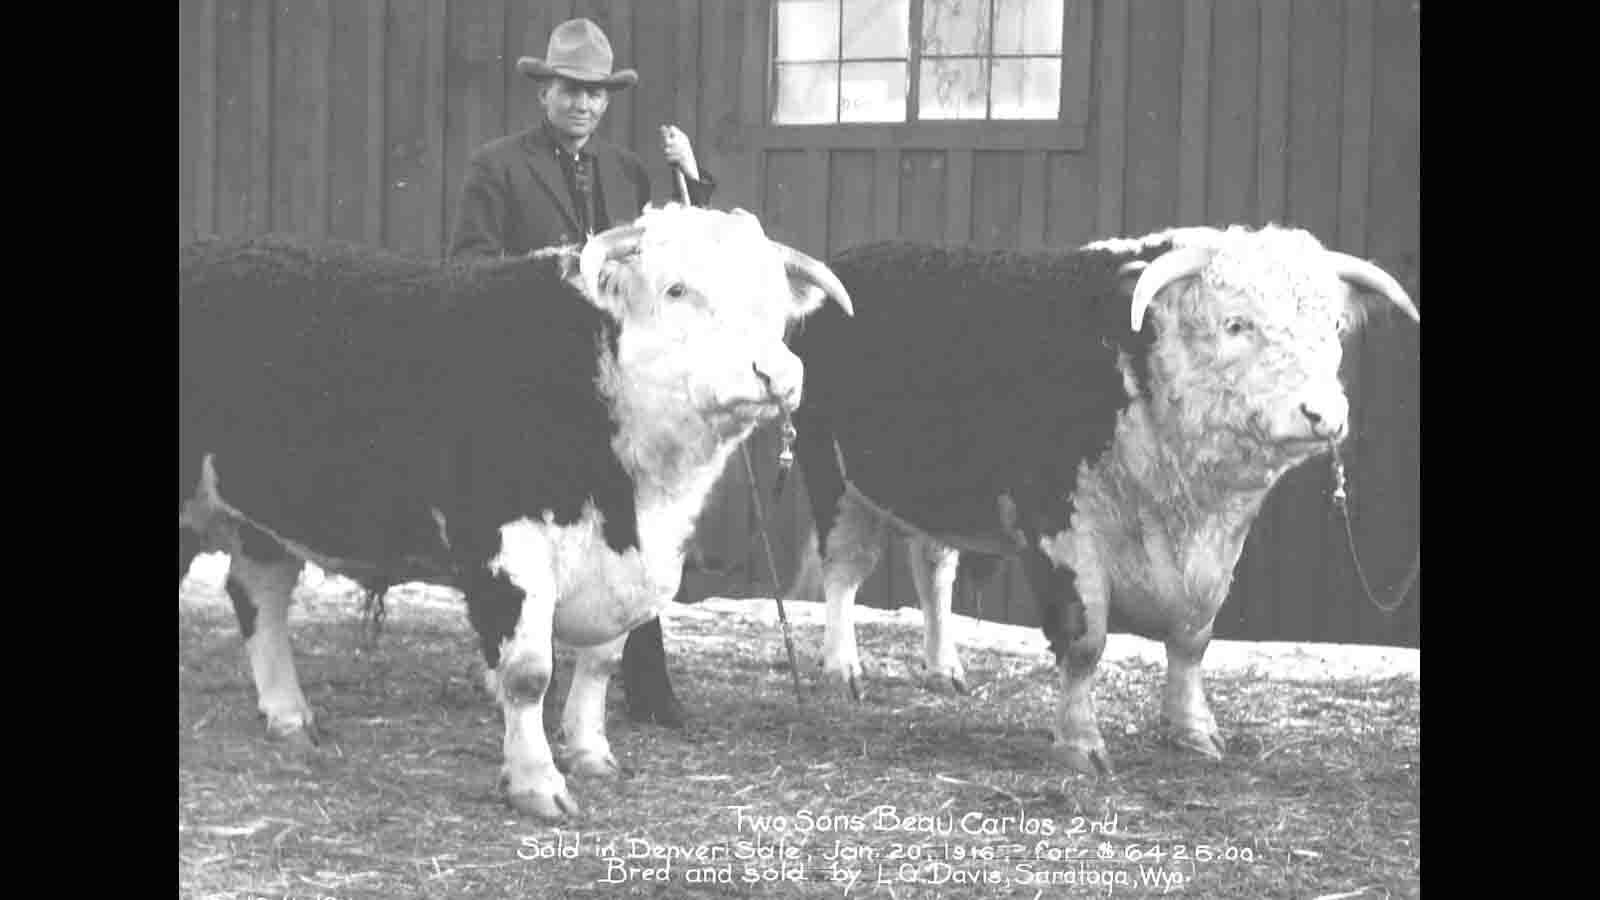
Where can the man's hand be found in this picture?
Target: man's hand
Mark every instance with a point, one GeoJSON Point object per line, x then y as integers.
{"type": "Point", "coordinates": [675, 145]}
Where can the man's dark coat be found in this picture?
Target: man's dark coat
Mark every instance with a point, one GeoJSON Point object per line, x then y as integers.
{"type": "Point", "coordinates": [515, 197]}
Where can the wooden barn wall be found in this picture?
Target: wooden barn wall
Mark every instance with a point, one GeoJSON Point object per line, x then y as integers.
{"type": "Point", "coordinates": [354, 119]}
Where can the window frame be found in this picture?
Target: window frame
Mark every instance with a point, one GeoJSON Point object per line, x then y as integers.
{"type": "Point", "coordinates": [1067, 131]}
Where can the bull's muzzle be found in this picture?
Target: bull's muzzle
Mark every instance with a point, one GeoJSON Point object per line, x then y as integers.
{"type": "Point", "coordinates": [1328, 420]}
{"type": "Point", "coordinates": [782, 374]}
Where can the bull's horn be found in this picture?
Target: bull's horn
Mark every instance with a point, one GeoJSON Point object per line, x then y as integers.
{"type": "Point", "coordinates": [613, 243]}
{"type": "Point", "coordinates": [804, 267]}
{"type": "Point", "coordinates": [1169, 267]}
{"type": "Point", "coordinates": [1364, 274]}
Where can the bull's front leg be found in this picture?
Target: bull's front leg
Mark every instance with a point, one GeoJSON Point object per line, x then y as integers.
{"type": "Point", "coordinates": [1183, 699]}
{"type": "Point", "coordinates": [1073, 580]}
{"type": "Point", "coordinates": [534, 785]}
{"type": "Point", "coordinates": [850, 553]}
{"type": "Point", "coordinates": [933, 571]}
{"type": "Point", "coordinates": [583, 722]}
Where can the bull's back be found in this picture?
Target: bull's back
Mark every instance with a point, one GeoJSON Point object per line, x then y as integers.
{"type": "Point", "coordinates": [964, 373]}
{"type": "Point", "coordinates": [305, 371]}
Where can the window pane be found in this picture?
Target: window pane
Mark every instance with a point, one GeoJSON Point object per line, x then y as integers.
{"type": "Point", "coordinates": [1027, 26]}
{"type": "Point", "coordinates": [808, 29]}
{"type": "Point", "coordinates": [876, 28]}
{"type": "Point", "coordinates": [955, 27]}
{"type": "Point", "coordinates": [808, 93]}
{"type": "Point", "coordinates": [953, 89]}
{"type": "Point", "coordinates": [1026, 89]}
{"type": "Point", "coordinates": [873, 92]}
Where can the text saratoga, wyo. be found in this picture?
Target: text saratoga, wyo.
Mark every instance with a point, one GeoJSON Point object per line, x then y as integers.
{"type": "Point", "coordinates": [888, 818]}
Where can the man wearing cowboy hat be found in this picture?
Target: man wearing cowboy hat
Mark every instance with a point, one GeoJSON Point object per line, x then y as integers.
{"type": "Point", "coordinates": [556, 183]}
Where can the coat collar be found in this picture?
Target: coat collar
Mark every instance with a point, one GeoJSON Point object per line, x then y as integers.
{"type": "Point", "coordinates": [617, 192]}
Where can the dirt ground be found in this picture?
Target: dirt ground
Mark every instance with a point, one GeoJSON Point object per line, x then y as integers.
{"type": "Point", "coordinates": [906, 794]}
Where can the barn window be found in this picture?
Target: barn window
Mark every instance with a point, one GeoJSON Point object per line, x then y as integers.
{"type": "Point", "coordinates": [853, 61]}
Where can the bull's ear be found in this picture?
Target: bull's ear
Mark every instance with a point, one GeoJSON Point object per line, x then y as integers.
{"type": "Point", "coordinates": [1128, 276]}
{"type": "Point", "coordinates": [808, 297]}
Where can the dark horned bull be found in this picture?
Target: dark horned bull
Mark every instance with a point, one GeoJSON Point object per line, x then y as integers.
{"type": "Point", "coordinates": [539, 431]}
{"type": "Point", "coordinates": [1114, 416]}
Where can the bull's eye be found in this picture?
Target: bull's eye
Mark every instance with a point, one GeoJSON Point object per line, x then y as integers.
{"type": "Point", "coordinates": [677, 290]}
{"type": "Point", "coordinates": [1236, 325]}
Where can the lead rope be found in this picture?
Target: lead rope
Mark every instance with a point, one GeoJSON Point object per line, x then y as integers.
{"type": "Point", "coordinates": [1340, 500]}
{"type": "Point", "coordinates": [785, 462]}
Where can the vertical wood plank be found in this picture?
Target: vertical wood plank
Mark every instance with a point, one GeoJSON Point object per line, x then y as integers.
{"type": "Point", "coordinates": [886, 194]}
{"type": "Point", "coordinates": [709, 142]}
{"type": "Point", "coordinates": [1194, 112]}
{"type": "Point", "coordinates": [474, 91]}
{"type": "Point", "coordinates": [1035, 196]}
{"type": "Point", "coordinates": [300, 109]}
{"type": "Point", "coordinates": [851, 204]}
{"type": "Point", "coordinates": [922, 195]}
{"type": "Point", "coordinates": [350, 102]}
{"type": "Point", "coordinates": [1273, 134]}
{"type": "Point", "coordinates": [1155, 53]}
{"type": "Point", "coordinates": [1355, 126]}
{"type": "Point", "coordinates": [997, 200]}
{"type": "Point", "coordinates": [198, 85]}
{"type": "Point", "coordinates": [1231, 162]}
{"type": "Point", "coordinates": [1315, 38]}
{"type": "Point", "coordinates": [1072, 200]}
{"type": "Point", "coordinates": [815, 194]}
{"type": "Point", "coordinates": [415, 188]}
{"type": "Point", "coordinates": [261, 22]}
{"type": "Point", "coordinates": [1112, 117]}
{"type": "Point", "coordinates": [375, 202]}
{"type": "Point", "coordinates": [958, 196]}
{"type": "Point", "coordinates": [236, 149]}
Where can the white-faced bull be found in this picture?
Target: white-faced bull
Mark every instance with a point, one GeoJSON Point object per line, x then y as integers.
{"type": "Point", "coordinates": [542, 428]}
{"type": "Point", "coordinates": [1006, 403]}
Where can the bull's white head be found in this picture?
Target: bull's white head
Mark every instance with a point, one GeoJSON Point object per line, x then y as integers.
{"type": "Point", "coordinates": [703, 297]}
{"type": "Point", "coordinates": [1248, 327]}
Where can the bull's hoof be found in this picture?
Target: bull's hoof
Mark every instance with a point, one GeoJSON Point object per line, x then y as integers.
{"type": "Point", "coordinates": [552, 805]}
{"type": "Point", "coordinates": [842, 679]}
{"type": "Point", "coordinates": [295, 735]}
{"type": "Point", "coordinates": [1084, 757]}
{"type": "Point", "coordinates": [1209, 743]}
{"type": "Point", "coordinates": [593, 764]}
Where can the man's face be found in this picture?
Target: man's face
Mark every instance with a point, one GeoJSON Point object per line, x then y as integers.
{"type": "Point", "coordinates": [574, 109]}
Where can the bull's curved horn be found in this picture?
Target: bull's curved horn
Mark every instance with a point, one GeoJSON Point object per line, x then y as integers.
{"type": "Point", "coordinates": [1364, 274]}
{"type": "Point", "coordinates": [806, 268]}
{"type": "Point", "coordinates": [613, 243]}
{"type": "Point", "coordinates": [1169, 267]}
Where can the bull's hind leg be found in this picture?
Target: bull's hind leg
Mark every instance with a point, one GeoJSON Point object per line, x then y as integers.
{"type": "Point", "coordinates": [522, 679]}
{"type": "Point", "coordinates": [261, 580]}
{"type": "Point", "coordinates": [1183, 699]}
{"type": "Point", "coordinates": [583, 722]}
{"type": "Point", "coordinates": [933, 571]}
{"type": "Point", "coordinates": [850, 553]}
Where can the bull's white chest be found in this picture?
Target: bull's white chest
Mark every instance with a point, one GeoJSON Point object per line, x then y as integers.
{"type": "Point", "coordinates": [596, 592]}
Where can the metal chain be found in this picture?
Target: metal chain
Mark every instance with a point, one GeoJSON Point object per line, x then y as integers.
{"type": "Point", "coordinates": [1340, 501]}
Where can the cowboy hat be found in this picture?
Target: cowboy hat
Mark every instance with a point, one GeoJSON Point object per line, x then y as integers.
{"type": "Point", "coordinates": [578, 50]}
